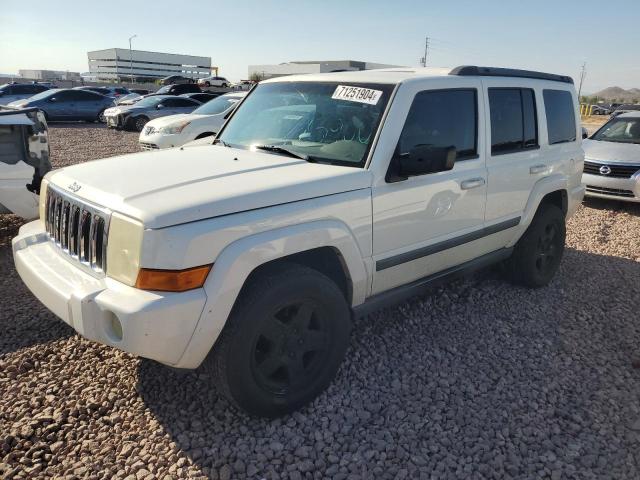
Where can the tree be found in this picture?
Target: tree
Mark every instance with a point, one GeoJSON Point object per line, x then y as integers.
{"type": "Point", "coordinates": [256, 77]}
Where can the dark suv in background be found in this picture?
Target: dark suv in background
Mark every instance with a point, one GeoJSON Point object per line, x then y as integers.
{"type": "Point", "coordinates": [178, 89]}
{"type": "Point", "coordinates": [176, 79]}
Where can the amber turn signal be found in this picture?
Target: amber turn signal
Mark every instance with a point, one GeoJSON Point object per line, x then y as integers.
{"type": "Point", "coordinates": [172, 280]}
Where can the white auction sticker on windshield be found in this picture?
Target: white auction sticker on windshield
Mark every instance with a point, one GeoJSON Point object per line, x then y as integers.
{"type": "Point", "coordinates": [357, 94]}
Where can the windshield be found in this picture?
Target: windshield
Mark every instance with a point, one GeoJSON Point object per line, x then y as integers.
{"type": "Point", "coordinates": [623, 130]}
{"type": "Point", "coordinates": [164, 89]}
{"type": "Point", "coordinates": [149, 101]}
{"type": "Point", "coordinates": [217, 105]}
{"type": "Point", "coordinates": [330, 122]}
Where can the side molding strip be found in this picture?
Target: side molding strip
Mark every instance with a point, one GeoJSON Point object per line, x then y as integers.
{"type": "Point", "coordinates": [417, 287]}
{"type": "Point", "coordinates": [445, 245]}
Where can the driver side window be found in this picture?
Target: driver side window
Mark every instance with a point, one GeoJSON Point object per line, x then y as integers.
{"type": "Point", "coordinates": [442, 118]}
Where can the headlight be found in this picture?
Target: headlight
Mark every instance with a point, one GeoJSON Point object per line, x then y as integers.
{"type": "Point", "coordinates": [174, 128]}
{"type": "Point", "coordinates": [123, 248]}
{"type": "Point", "coordinates": [43, 199]}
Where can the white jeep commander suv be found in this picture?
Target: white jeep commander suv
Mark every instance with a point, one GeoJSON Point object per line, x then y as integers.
{"type": "Point", "coordinates": [323, 197]}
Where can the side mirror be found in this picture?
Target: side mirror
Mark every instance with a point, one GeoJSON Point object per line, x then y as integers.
{"type": "Point", "coordinates": [53, 99]}
{"type": "Point", "coordinates": [423, 159]}
{"type": "Point", "coordinates": [159, 106]}
{"type": "Point", "coordinates": [585, 133]}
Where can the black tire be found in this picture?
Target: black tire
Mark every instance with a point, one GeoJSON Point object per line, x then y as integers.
{"type": "Point", "coordinates": [101, 118]}
{"type": "Point", "coordinates": [538, 253]}
{"type": "Point", "coordinates": [283, 342]}
{"type": "Point", "coordinates": [224, 85]}
{"type": "Point", "coordinates": [138, 123]}
{"type": "Point", "coordinates": [207, 84]}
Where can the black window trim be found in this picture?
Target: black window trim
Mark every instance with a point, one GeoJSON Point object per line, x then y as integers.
{"type": "Point", "coordinates": [535, 113]}
{"type": "Point", "coordinates": [575, 138]}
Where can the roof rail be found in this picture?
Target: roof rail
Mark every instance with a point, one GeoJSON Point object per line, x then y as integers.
{"type": "Point", "coordinates": [472, 70]}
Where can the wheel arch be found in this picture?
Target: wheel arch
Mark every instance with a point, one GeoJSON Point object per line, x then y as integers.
{"type": "Point", "coordinates": [326, 245]}
{"type": "Point", "coordinates": [549, 190]}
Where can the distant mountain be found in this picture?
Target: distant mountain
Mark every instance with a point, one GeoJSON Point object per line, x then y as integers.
{"type": "Point", "coordinates": [619, 94]}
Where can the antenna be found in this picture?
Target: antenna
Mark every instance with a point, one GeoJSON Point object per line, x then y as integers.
{"type": "Point", "coordinates": [423, 60]}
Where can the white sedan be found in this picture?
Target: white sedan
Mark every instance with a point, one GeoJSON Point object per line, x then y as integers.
{"type": "Point", "coordinates": [176, 130]}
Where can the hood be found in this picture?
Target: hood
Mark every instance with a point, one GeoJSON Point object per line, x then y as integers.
{"type": "Point", "coordinates": [168, 120]}
{"type": "Point", "coordinates": [611, 151]}
{"type": "Point", "coordinates": [174, 186]}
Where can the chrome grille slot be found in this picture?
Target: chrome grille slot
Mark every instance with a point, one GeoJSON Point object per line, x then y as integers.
{"type": "Point", "coordinates": [79, 228]}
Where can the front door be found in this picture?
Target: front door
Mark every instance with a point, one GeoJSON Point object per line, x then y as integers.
{"type": "Point", "coordinates": [427, 223]}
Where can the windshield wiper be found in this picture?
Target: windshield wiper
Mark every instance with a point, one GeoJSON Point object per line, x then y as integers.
{"type": "Point", "coordinates": [286, 151]}
{"type": "Point", "coordinates": [222, 142]}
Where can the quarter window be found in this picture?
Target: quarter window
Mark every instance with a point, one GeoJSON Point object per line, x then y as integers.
{"type": "Point", "coordinates": [561, 119]}
{"type": "Point", "coordinates": [514, 124]}
{"type": "Point", "coordinates": [442, 118]}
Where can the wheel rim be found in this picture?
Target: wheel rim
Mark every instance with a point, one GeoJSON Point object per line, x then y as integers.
{"type": "Point", "coordinates": [290, 349]}
{"type": "Point", "coordinates": [101, 117]}
{"type": "Point", "coordinates": [140, 123]}
{"type": "Point", "coordinates": [547, 249]}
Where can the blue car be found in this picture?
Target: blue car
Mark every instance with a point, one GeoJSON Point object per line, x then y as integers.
{"type": "Point", "coordinates": [68, 104]}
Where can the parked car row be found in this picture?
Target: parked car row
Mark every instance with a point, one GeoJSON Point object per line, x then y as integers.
{"type": "Point", "coordinates": [176, 130]}
{"type": "Point", "coordinates": [68, 104]}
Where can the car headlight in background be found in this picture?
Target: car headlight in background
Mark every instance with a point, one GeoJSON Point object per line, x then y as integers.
{"type": "Point", "coordinates": [123, 248]}
{"type": "Point", "coordinates": [174, 128]}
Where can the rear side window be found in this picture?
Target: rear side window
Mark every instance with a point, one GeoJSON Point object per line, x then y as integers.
{"type": "Point", "coordinates": [561, 119]}
{"type": "Point", "coordinates": [514, 124]}
{"type": "Point", "coordinates": [442, 118]}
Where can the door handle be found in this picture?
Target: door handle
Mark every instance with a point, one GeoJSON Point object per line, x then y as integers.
{"type": "Point", "coordinates": [472, 183]}
{"type": "Point", "coordinates": [536, 169]}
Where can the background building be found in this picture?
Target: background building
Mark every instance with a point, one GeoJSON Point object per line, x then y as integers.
{"type": "Point", "coordinates": [294, 68]}
{"type": "Point", "coordinates": [122, 64]}
{"type": "Point", "coordinates": [49, 75]}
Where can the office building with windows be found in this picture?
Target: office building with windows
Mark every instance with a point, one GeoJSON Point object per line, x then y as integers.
{"type": "Point", "coordinates": [122, 64]}
{"type": "Point", "coordinates": [323, 66]}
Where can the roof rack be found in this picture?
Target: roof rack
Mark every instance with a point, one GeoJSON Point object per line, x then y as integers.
{"type": "Point", "coordinates": [472, 70]}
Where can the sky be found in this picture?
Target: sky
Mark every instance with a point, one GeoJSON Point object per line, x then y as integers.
{"type": "Point", "coordinates": [554, 36]}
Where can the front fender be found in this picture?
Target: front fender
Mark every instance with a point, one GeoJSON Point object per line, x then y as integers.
{"type": "Point", "coordinates": [237, 260]}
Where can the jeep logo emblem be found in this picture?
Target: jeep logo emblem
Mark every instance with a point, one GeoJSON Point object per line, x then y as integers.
{"type": "Point", "coordinates": [605, 170]}
{"type": "Point", "coordinates": [74, 187]}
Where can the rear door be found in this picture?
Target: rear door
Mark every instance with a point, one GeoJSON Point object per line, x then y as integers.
{"type": "Point", "coordinates": [518, 154]}
{"type": "Point", "coordinates": [427, 223]}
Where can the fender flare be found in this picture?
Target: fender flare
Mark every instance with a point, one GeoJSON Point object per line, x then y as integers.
{"type": "Point", "coordinates": [238, 259]}
{"type": "Point", "coordinates": [543, 187]}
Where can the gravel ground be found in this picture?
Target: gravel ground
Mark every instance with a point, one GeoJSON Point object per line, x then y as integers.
{"type": "Point", "coordinates": [478, 380]}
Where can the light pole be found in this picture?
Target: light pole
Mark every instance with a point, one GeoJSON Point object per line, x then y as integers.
{"type": "Point", "coordinates": [131, 58]}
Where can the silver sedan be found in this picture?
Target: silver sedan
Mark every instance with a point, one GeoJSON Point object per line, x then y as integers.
{"type": "Point", "coordinates": [612, 159]}
{"type": "Point", "coordinates": [135, 117]}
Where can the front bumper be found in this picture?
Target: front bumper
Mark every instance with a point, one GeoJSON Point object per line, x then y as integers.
{"type": "Point", "coordinates": [155, 325]}
{"type": "Point", "coordinates": [115, 121]}
{"type": "Point", "coordinates": [625, 189]}
{"type": "Point", "coordinates": [160, 140]}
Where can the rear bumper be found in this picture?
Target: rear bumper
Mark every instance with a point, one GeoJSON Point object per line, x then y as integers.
{"type": "Point", "coordinates": [625, 189]}
{"type": "Point", "coordinates": [155, 325]}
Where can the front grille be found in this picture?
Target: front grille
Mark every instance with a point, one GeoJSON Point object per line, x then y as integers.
{"type": "Point", "coordinates": [79, 229]}
{"type": "Point", "coordinates": [148, 146]}
{"type": "Point", "coordinates": [610, 191]}
{"type": "Point", "coordinates": [615, 171]}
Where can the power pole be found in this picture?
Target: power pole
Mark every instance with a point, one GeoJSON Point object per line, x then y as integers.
{"type": "Point", "coordinates": [423, 60]}
{"type": "Point", "coordinates": [583, 73]}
